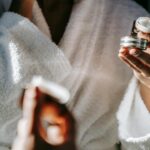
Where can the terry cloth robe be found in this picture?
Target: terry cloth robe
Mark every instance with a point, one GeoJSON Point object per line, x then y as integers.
{"type": "Point", "coordinates": [85, 61]}
{"type": "Point", "coordinates": [24, 52]}
{"type": "Point", "coordinates": [134, 120]}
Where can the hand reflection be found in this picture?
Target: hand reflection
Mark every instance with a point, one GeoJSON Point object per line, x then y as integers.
{"type": "Point", "coordinates": [46, 123]}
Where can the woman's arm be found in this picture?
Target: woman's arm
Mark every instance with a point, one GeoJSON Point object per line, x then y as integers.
{"type": "Point", "coordinates": [139, 61]}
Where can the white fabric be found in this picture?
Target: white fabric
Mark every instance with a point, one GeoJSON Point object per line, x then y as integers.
{"type": "Point", "coordinates": [96, 80]}
{"type": "Point", "coordinates": [139, 117]}
{"type": "Point", "coordinates": [39, 20]}
{"type": "Point", "coordinates": [99, 78]}
{"type": "Point", "coordinates": [24, 52]}
{"type": "Point", "coordinates": [134, 120]}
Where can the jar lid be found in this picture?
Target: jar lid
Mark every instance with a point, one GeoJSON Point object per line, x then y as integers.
{"type": "Point", "coordinates": [143, 24]}
{"type": "Point", "coordinates": [129, 41]}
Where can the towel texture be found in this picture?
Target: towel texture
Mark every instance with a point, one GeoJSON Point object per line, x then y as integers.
{"type": "Point", "coordinates": [134, 120]}
{"type": "Point", "coordinates": [91, 43]}
{"type": "Point", "coordinates": [96, 78]}
{"type": "Point", "coordinates": [25, 52]}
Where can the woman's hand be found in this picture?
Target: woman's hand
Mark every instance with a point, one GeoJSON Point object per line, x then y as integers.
{"type": "Point", "coordinates": [139, 61]}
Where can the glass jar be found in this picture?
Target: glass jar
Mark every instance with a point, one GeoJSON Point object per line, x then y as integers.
{"type": "Point", "coordinates": [133, 42]}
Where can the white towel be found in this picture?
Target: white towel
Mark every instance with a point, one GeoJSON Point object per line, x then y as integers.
{"type": "Point", "coordinates": [97, 78]}
{"type": "Point", "coordinates": [24, 52]}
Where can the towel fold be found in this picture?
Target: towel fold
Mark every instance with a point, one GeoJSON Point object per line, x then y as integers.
{"type": "Point", "coordinates": [25, 52]}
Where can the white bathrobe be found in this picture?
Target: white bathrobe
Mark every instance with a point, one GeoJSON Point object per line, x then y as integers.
{"type": "Point", "coordinates": [85, 62]}
{"type": "Point", "coordinates": [134, 120]}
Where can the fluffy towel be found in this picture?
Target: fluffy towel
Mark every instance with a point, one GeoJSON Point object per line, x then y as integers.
{"type": "Point", "coordinates": [25, 52]}
{"type": "Point", "coordinates": [134, 120]}
{"type": "Point", "coordinates": [96, 80]}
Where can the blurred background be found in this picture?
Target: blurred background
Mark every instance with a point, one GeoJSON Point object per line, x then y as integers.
{"type": "Point", "coordinates": [144, 3]}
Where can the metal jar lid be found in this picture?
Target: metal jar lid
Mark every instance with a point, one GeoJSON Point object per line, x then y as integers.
{"type": "Point", "coordinates": [129, 41]}
{"type": "Point", "coordinates": [143, 24]}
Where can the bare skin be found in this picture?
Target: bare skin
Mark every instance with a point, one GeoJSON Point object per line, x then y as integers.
{"type": "Point", "coordinates": [139, 61]}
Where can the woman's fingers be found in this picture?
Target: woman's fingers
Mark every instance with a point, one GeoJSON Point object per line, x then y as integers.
{"type": "Point", "coordinates": [124, 59]}
{"type": "Point", "coordinates": [142, 56]}
{"type": "Point", "coordinates": [134, 62]}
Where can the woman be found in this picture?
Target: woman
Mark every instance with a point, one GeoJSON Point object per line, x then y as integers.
{"type": "Point", "coordinates": [97, 79]}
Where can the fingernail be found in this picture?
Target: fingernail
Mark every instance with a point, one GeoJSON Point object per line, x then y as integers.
{"type": "Point", "coordinates": [120, 54]}
{"type": "Point", "coordinates": [121, 50]}
{"type": "Point", "coordinates": [134, 52]}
